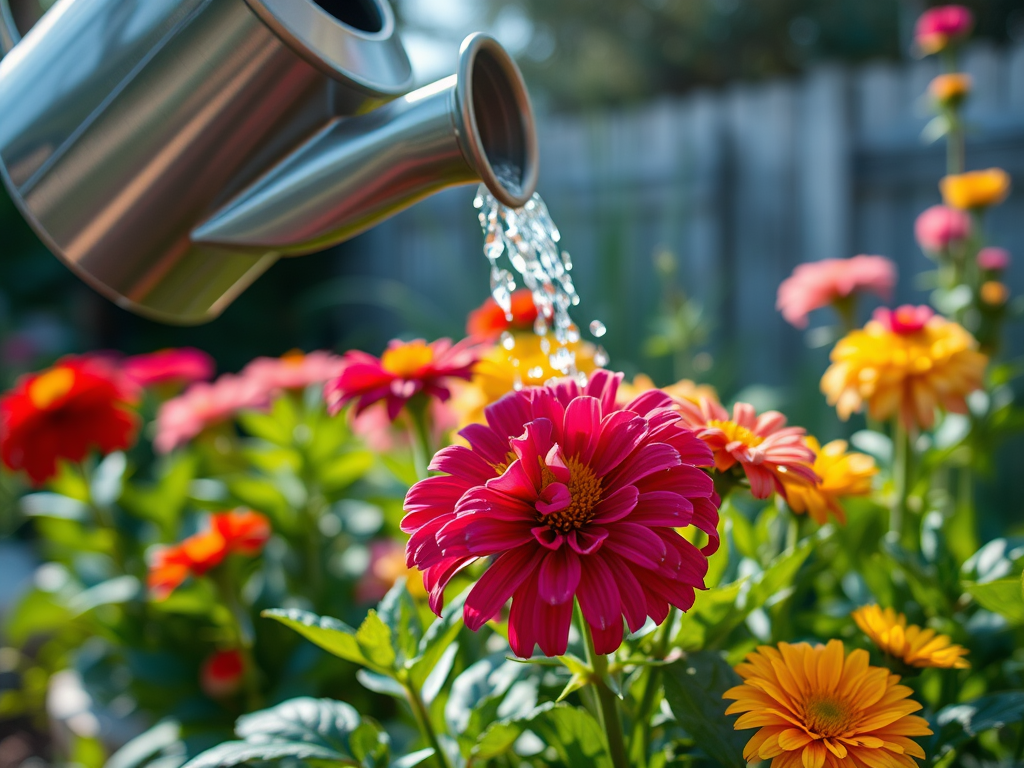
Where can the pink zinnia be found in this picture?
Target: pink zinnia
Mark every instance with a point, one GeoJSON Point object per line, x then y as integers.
{"type": "Point", "coordinates": [904, 320]}
{"type": "Point", "coordinates": [939, 226]}
{"type": "Point", "coordinates": [169, 366]}
{"type": "Point", "coordinates": [938, 27]}
{"type": "Point", "coordinates": [817, 284]}
{"type": "Point", "coordinates": [293, 371]}
{"type": "Point", "coordinates": [404, 370]}
{"type": "Point", "coordinates": [763, 446]}
{"type": "Point", "coordinates": [574, 498]}
{"type": "Point", "coordinates": [993, 259]}
{"type": "Point", "coordinates": [203, 405]}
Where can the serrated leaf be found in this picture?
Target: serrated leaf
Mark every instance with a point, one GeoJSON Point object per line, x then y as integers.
{"type": "Point", "coordinates": [374, 640]}
{"type": "Point", "coordinates": [438, 636]}
{"type": "Point", "coordinates": [332, 635]}
{"type": "Point", "coordinates": [693, 689]}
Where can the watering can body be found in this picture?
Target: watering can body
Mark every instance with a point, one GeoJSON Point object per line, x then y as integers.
{"type": "Point", "coordinates": [169, 151]}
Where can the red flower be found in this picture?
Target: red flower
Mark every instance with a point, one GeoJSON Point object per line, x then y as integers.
{"type": "Point", "coordinates": [241, 532]}
{"type": "Point", "coordinates": [404, 370]}
{"type": "Point", "coordinates": [222, 673]}
{"type": "Point", "coordinates": [938, 27]}
{"type": "Point", "coordinates": [488, 321]}
{"type": "Point", "coordinates": [574, 498]}
{"type": "Point", "coordinates": [904, 320]}
{"type": "Point", "coordinates": [762, 445]}
{"type": "Point", "coordinates": [79, 404]}
{"type": "Point", "coordinates": [169, 366]}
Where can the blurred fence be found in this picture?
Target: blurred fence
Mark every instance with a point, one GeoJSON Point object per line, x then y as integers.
{"type": "Point", "coordinates": [742, 184]}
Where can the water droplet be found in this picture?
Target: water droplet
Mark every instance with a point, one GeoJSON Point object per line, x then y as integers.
{"type": "Point", "coordinates": [581, 379]}
{"type": "Point", "coordinates": [600, 357]}
{"type": "Point", "coordinates": [517, 383]}
{"type": "Point", "coordinates": [478, 201]}
{"type": "Point", "coordinates": [597, 329]}
{"type": "Point", "coordinates": [539, 326]}
{"type": "Point", "coordinates": [545, 346]}
{"type": "Point", "coordinates": [508, 341]}
{"type": "Point", "coordinates": [535, 373]}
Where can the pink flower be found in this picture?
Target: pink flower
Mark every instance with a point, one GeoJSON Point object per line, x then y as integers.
{"type": "Point", "coordinates": [203, 405]}
{"type": "Point", "coordinates": [994, 259]}
{"type": "Point", "coordinates": [382, 435]}
{"type": "Point", "coordinates": [387, 565]}
{"type": "Point", "coordinates": [938, 27]}
{"type": "Point", "coordinates": [294, 370]}
{"type": "Point", "coordinates": [817, 284]}
{"type": "Point", "coordinates": [939, 226]}
{"type": "Point", "coordinates": [763, 446]}
{"type": "Point", "coordinates": [572, 497]}
{"type": "Point", "coordinates": [169, 366]}
{"type": "Point", "coordinates": [404, 370]}
{"type": "Point", "coordinates": [904, 320]}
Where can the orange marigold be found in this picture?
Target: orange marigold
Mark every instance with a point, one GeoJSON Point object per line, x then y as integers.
{"type": "Point", "coordinates": [818, 706]}
{"type": "Point", "coordinates": [912, 644]}
{"type": "Point", "coordinates": [975, 189]}
{"type": "Point", "coordinates": [841, 474]}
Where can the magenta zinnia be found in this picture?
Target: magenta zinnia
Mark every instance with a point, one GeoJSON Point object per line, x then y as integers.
{"type": "Point", "coordinates": [572, 497]}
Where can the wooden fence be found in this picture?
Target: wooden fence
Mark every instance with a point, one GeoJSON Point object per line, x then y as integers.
{"type": "Point", "coordinates": [742, 184]}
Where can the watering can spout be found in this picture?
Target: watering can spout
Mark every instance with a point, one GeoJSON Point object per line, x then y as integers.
{"type": "Point", "coordinates": [473, 126]}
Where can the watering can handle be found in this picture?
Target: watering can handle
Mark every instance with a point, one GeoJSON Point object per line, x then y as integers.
{"type": "Point", "coordinates": [9, 35]}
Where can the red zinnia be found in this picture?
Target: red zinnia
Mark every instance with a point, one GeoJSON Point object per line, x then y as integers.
{"type": "Point", "coordinates": [63, 412]}
{"type": "Point", "coordinates": [488, 321]}
{"type": "Point", "coordinates": [404, 370]}
{"type": "Point", "coordinates": [574, 497]}
{"type": "Point", "coordinates": [222, 673]}
{"type": "Point", "coordinates": [762, 445]}
{"type": "Point", "coordinates": [169, 366]}
{"type": "Point", "coordinates": [243, 532]}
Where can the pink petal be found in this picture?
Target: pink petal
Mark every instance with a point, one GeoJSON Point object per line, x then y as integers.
{"type": "Point", "coordinates": [762, 482]}
{"type": "Point", "coordinates": [515, 481]}
{"type": "Point", "coordinates": [497, 584]}
{"type": "Point", "coordinates": [648, 459]}
{"type": "Point", "coordinates": [587, 540]}
{"type": "Point", "coordinates": [533, 621]}
{"type": "Point", "coordinates": [637, 544]}
{"type": "Point", "coordinates": [547, 537]}
{"type": "Point", "coordinates": [495, 504]}
{"type": "Point", "coordinates": [648, 401]}
{"type": "Point", "coordinates": [616, 506]}
{"type": "Point", "coordinates": [508, 415]}
{"type": "Point", "coordinates": [633, 602]}
{"type": "Point", "coordinates": [554, 498]}
{"type": "Point", "coordinates": [607, 640]}
{"type": "Point", "coordinates": [621, 432]}
{"type": "Point", "coordinates": [477, 535]}
{"type": "Point", "coordinates": [532, 446]}
{"type": "Point", "coordinates": [492, 446]}
{"type": "Point", "coordinates": [461, 462]}
{"type": "Point", "coordinates": [559, 576]}
{"type": "Point", "coordinates": [604, 385]}
{"type": "Point", "coordinates": [661, 508]}
{"type": "Point", "coordinates": [582, 423]}
{"type": "Point", "coordinates": [598, 595]}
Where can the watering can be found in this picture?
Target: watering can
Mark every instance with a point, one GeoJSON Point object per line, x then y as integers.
{"type": "Point", "coordinates": [169, 151]}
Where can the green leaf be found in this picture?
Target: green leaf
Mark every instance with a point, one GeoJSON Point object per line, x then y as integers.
{"type": "Point", "coordinates": [344, 470]}
{"type": "Point", "coordinates": [161, 741]}
{"type": "Point", "coordinates": [164, 501]}
{"type": "Point", "coordinates": [57, 505]}
{"type": "Point", "coordinates": [374, 640]}
{"type": "Point", "coordinates": [694, 688]}
{"type": "Point", "coordinates": [35, 614]}
{"type": "Point", "coordinates": [120, 589]}
{"type": "Point", "coordinates": [956, 725]}
{"type": "Point", "coordinates": [332, 635]}
{"type": "Point", "coordinates": [238, 752]}
{"type": "Point", "coordinates": [574, 735]}
{"type": "Point", "coordinates": [438, 636]}
{"type": "Point", "coordinates": [398, 610]}
{"type": "Point", "coordinates": [1003, 596]}
{"type": "Point", "coordinates": [482, 688]}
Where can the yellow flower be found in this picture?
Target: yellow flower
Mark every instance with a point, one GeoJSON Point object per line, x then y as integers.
{"type": "Point", "coordinates": [684, 389]}
{"type": "Point", "coordinates": [905, 365]}
{"type": "Point", "coordinates": [975, 189]}
{"type": "Point", "coordinates": [994, 293]}
{"type": "Point", "coordinates": [951, 89]}
{"type": "Point", "coordinates": [841, 473]}
{"type": "Point", "coordinates": [913, 645]}
{"type": "Point", "coordinates": [496, 374]}
{"type": "Point", "coordinates": [817, 706]}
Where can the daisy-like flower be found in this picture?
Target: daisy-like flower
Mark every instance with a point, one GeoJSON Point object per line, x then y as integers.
{"type": "Point", "coordinates": [242, 532]}
{"type": "Point", "coordinates": [404, 370]}
{"type": "Point", "coordinates": [573, 497]}
{"type": "Point", "coordinates": [911, 644]}
{"type": "Point", "coordinates": [763, 446]}
{"type": "Point", "coordinates": [204, 405]}
{"type": "Point", "coordinates": [939, 226]}
{"type": "Point", "coordinates": [841, 474]}
{"type": "Point", "coordinates": [975, 190]}
{"type": "Point", "coordinates": [293, 371]}
{"type": "Point", "coordinates": [993, 259]}
{"type": "Point", "coordinates": [951, 89]}
{"type": "Point", "coordinates": [63, 412]}
{"type": "Point", "coordinates": [938, 27]}
{"type": "Point", "coordinates": [818, 284]}
{"type": "Point", "coordinates": [488, 321]}
{"type": "Point", "coordinates": [906, 361]}
{"type": "Point", "coordinates": [173, 367]}
{"type": "Point", "coordinates": [817, 706]}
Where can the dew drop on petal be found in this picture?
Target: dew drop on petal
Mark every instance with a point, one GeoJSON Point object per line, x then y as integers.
{"type": "Point", "coordinates": [597, 329]}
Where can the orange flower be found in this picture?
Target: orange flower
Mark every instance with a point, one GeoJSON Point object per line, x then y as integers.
{"type": "Point", "coordinates": [817, 706]}
{"type": "Point", "coordinates": [949, 90]}
{"type": "Point", "coordinates": [841, 474]}
{"type": "Point", "coordinates": [975, 189]}
{"type": "Point", "coordinates": [684, 389]}
{"type": "Point", "coordinates": [487, 322]}
{"type": "Point", "coordinates": [911, 644]}
{"type": "Point", "coordinates": [241, 532]}
{"type": "Point", "coordinates": [994, 293]}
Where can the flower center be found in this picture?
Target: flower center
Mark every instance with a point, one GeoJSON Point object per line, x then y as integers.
{"type": "Point", "coordinates": [584, 492]}
{"type": "Point", "coordinates": [293, 357]}
{"type": "Point", "coordinates": [734, 432]}
{"type": "Point", "coordinates": [50, 387]}
{"type": "Point", "coordinates": [827, 717]}
{"type": "Point", "coordinates": [408, 359]}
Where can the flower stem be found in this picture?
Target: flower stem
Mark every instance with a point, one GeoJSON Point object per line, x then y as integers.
{"type": "Point", "coordinates": [241, 627]}
{"type": "Point", "coordinates": [419, 711]}
{"type": "Point", "coordinates": [642, 729]}
{"type": "Point", "coordinates": [422, 445]}
{"type": "Point", "coordinates": [900, 526]}
{"type": "Point", "coordinates": [609, 718]}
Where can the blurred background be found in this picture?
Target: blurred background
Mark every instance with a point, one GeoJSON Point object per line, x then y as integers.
{"type": "Point", "coordinates": [692, 153]}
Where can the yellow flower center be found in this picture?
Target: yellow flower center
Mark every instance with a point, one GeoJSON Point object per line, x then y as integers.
{"type": "Point", "coordinates": [294, 357]}
{"type": "Point", "coordinates": [827, 717]}
{"type": "Point", "coordinates": [584, 492]}
{"type": "Point", "coordinates": [735, 433]}
{"type": "Point", "coordinates": [408, 359]}
{"type": "Point", "coordinates": [51, 387]}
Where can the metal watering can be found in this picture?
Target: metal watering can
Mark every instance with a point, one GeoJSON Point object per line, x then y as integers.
{"type": "Point", "coordinates": [169, 151]}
